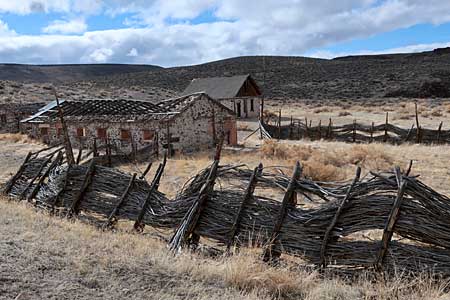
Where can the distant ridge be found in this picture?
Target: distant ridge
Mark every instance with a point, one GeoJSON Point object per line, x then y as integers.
{"type": "Point", "coordinates": [412, 75]}
{"type": "Point", "coordinates": [67, 72]}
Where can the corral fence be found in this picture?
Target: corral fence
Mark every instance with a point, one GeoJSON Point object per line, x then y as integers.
{"type": "Point", "coordinates": [229, 205]}
{"type": "Point", "coordinates": [354, 132]}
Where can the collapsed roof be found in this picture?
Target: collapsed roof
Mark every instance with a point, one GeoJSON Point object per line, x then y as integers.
{"type": "Point", "coordinates": [104, 109]}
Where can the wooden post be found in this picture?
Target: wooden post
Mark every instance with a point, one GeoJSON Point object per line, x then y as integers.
{"type": "Point", "coordinates": [80, 152]}
{"type": "Point", "coordinates": [186, 229]}
{"type": "Point", "coordinates": [257, 172]}
{"type": "Point", "coordinates": [108, 153]}
{"type": "Point", "coordinates": [74, 208]}
{"type": "Point", "coordinates": [330, 227]}
{"type": "Point", "coordinates": [417, 124]}
{"type": "Point", "coordinates": [19, 173]}
{"type": "Point", "coordinates": [112, 215]}
{"type": "Point", "coordinates": [289, 200]}
{"type": "Point", "coordinates": [36, 189]}
{"type": "Point", "coordinates": [354, 131]}
{"type": "Point", "coordinates": [67, 143]}
{"type": "Point", "coordinates": [439, 133]}
{"type": "Point", "coordinates": [330, 130]}
{"type": "Point", "coordinates": [279, 124]}
{"type": "Point", "coordinates": [320, 129]}
{"type": "Point", "coordinates": [371, 132]}
{"type": "Point", "coordinates": [290, 129]}
{"type": "Point", "coordinates": [306, 127]}
{"type": "Point", "coordinates": [386, 127]}
{"type": "Point", "coordinates": [95, 148]}
{"type": "Point", "coordinates": [392, 219]}
{"type": "Point", "coordinates": [30, 184]}
{"type": "Point", "coordinates": [147, 169]}
{"type": "Point", "coordinates": [138, 226]}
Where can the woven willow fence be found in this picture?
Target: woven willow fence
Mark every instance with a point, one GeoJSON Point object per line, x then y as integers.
{"type": "Point", "coordinates": [227, 204]}
{"type": "Point", "coordinates": [355, 132]}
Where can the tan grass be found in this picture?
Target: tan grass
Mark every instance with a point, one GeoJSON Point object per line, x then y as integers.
{"type": "Point", "coordinates": [17, 138]}
{"type": "Point", "coordinates": [105, 259]}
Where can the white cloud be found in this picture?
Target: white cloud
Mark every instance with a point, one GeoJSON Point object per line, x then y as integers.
{"type": "Point", "coordinates": [66, 26]}
{"type": "Point", "coordinates": [5, 31]}
{"type": "Point", "coordinates": [251, 27]}
{"type": "Point", "coordinates": [406, 49]}
{"type": "Point", "coordinates": [133, 53]}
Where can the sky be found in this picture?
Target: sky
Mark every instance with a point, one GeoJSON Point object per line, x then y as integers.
{"type": "Point", "coordinates": [185, 32]}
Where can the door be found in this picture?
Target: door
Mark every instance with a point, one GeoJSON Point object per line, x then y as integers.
{"type": "Point", "coordinates": [238, 109]}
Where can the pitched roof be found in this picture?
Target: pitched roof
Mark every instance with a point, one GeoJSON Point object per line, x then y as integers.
{"type": "Point", "coordinates": [101, 108]}
{"type": "Point", "coordinates": [218, 87]}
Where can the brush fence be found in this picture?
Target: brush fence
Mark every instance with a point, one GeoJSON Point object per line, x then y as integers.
{"type": "Point", "coordinates": [227, 204]}
{"type": "Point", "coordinates": [356, 133]}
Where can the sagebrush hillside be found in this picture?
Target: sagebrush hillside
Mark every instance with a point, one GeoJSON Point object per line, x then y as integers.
{"type": "Point", "coordinates": [415, 75]}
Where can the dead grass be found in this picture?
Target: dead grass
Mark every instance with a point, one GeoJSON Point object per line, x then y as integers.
{"type": "Point", "coordinates": [83, 262]}
{"type": "Point", "coordinates": [329, 164]}
{"type": "Point", "coordinates": [17, 138]}
{"type": "Point", "coordinates": [344, 113]}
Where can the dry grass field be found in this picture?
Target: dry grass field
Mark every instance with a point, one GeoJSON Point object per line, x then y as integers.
{"type": "Point", "coordinates": [44, 257]}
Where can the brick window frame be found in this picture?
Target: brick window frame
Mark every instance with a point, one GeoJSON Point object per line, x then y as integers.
{"type": "Point", "coordinates": [81, 132]}
{"type": "Point", "coordinates": [101, 133]}
{"type": "Point", "coordinates": [125, 134]}
{"type": "Point", "coordinates": [148, 135]}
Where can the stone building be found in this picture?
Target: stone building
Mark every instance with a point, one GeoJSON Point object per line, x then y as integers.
{"type": "Point", "coordinates": [239, 93]}
{"type": "Point", "coordinates": [11, 114]}
{"type": "Point", "coordinates": [191, 122]}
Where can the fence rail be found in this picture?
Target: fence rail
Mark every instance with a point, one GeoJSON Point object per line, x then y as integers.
{"type": "Point", "coordinates": [413, 220]}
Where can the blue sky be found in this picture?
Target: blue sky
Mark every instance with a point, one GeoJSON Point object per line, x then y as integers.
{"type": "Point", "coordinates": [182, 32]}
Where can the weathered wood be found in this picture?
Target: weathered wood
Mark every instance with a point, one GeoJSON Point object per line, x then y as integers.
{"type": "Point", "coordinates": [120, 203]}
{"type": "Point", "coordinates": [44, 176]}
{"type": "Point", "coordinates": [57, 198]}
{"type": "Point", "coordinates": [94, 146]}
{"type": "Point", "coordinates": [386, 128]}
{"type": "Point", "coordinates": [326, 236]}
{"type": "Point", "coordinates": [320, 129]}
{"type": "Point", "coordinates": [306, 127]}
{"type": "Point", "coordinates": [409, 133]}
{"type": "Point", "coordinates": [186, 230]}
{"type": "Point", "coordinates": [147, 169]}
{"type": "Point", "coordinates": [392, 219]}
{"type": "Point", "coordinates": [417, 124]}
{"type": "Point", "coordinates": [354, 131]}
{"type": "Point", "coordinates": [371, 132]}
{"type": "Point", "coordinates": [439, 133]}
{"type": "Point", "coordinates": [138, 226]}
{"type": "Point", "coordinates": [289, 200]}
{"type": "Point", "coordinates": [330, 130]}
{"type": "Point", "coordinates": [19, 173]}
{"type": "Point", "coordinates": [67, 143]}
{"type": "Point", "coordinates": [279, 124]}
{"type": "Point", "coordinates": [80, 152]}
{"type": "Point", "coordinates": [74, 208]}
{"type": "Point", "coordinates": [257, 172]}
{"type": "Point", "coordinates": [31, 182]}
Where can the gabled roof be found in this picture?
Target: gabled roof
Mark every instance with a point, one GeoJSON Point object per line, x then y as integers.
{"type": "Point", "coordinates": [132, 109]}
{"type": "Point", "coordinates": [219, 87]}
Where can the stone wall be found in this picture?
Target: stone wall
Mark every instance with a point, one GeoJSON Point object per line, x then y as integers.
{"type": "Point", "coordinates": [190, 131]}
{"type": "Point", "coordinates": [12, 114]}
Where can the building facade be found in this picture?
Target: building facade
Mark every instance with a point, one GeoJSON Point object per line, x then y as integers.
{"type": "Point", "coordinates": [181, 125]}
{"type": "Point", "coordinates": [239, 93]}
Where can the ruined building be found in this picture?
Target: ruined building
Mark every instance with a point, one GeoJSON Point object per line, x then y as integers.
{"type": "Point", "coordinates": [239, 93]}
{"type": "Point", "coordinates": [184, 124]}
{"type": "Point", "coordinates": [11, 114]}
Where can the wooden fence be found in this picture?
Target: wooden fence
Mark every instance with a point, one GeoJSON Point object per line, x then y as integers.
{"type": "Point", "coordinates": [355, 132]}
{"type": "Point", "coordinates": [412, 219]}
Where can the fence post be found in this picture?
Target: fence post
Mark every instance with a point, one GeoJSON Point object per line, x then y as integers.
{"type": "Point", "coordinates": [112, 215]}
{"type": "Point", "coordinates": [257, 172]}
{"type": "Point", "coordinates": [371, 132]}
{"type": "Point", "coordinates": [289, 200]}
{"type": "Point", "coordinates": [279, 124]}
{"type": "Point", "coordinates": [330, 130]}
{"type": "Point", "coordinates": [392, 219]}
{"type": "Point", "coordinates": [19, 173]}
{"type": "Point", "coordinates": [74, 208]}
{"type": "Point", "coordinates": [354, 131]}
{"type": "Point", "coordinates": [326, 236]}
{"type": "Point", "coordinates": [439, 133]}
{"type": "Point", "coordinates": [417, 124]}
{"type": "Point", "coordinates": [186, 230]}
{"type": "Point", "coordinates": [320, 129]}
{"type": "Point", "coordinates": [47, 172]}
{"type": "Point", "coordinates": [386, 127]}
{"type": "Point", "coordinates": [67, 143]}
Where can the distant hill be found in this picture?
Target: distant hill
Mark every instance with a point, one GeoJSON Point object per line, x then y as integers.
{"type": "Point", "coordinates": [65, 73]}
{"type": "Point", "coordinates": [415, 75]}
